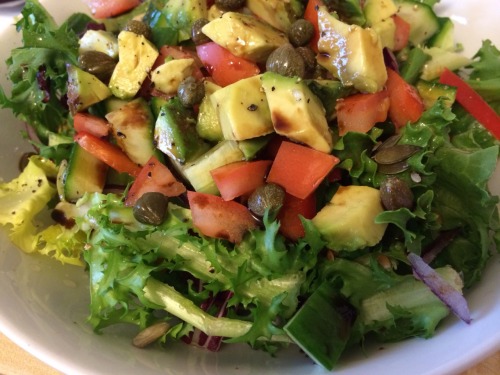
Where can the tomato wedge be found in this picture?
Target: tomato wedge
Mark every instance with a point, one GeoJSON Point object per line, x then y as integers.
{"type": "Point", "coordinates": [473, 102]}
{"type": "Point", "coordinates": [215, 217]}
{"type": "Point", "coordinates": [360, 112]}
{"type": "Point", "coordinates": [311, 15]}
{"type": "Point", "coordinates": [406, 104]}
{"type": "Point", "coordinates": [110, 8]}
{"type": "Point", "coordinates": [300, 169]}
{"type": "Point", "coordinates": [108, 153]}
{"type": "Point", "coordinates": [290, 224]}
{"type": "Point", "coordinates": [85, 122]}
{"type": "Point", "coordinates": [224, 67]}
{"type": "Point", "coordinates": [402, 34]}
{"type": "Point", "coordinates": [240, 178]}
{"type": "Point", "coordinates": [154, 177]}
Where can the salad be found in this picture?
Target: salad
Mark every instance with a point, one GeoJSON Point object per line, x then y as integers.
{"type": "Point", "coordinates": [311, 201]}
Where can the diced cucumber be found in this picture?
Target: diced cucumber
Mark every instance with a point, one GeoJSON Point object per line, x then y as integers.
{"type": "Point", "coordinates": [445, 37]}
{"type": "Point", "coordinates": [441, 59]}
{"type": "Point", "coordinates": [250, 147]}
{"type": "Point", "coordinates": [423, 21]}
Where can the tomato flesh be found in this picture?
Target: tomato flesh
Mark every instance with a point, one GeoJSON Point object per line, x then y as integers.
{"type": "Point", "coordinates": [289, 216]}
{"type": "Point", "coordinates": [311, 15]}
{"type": "Point", "coordinates": [109, 8]}
{"type": "Point", "coordinates": [402, 34]}
{"type": "Point", "coordinates": [85, 122]}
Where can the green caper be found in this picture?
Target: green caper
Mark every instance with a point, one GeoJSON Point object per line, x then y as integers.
{"type": "Point", "coordinates": [138, 27]}
{"type": "Point", "coordinates": [190, 92]}
{"type": "Point", "coordinates": [229, 5]}
{"type": "Point", "coordinates": [285, 60]}
{"type": "Point", "coordinates": [196, 34]}
{"type": "Point", "coordinates": [151, 208]}
{"type": "Point", "coordinates": [395, 194]}
{"type": "Point", "coordinates": [300, 32]}
{"type": "Point", "coordinates": [309, 57]}
{"type": "Point", "coordinates": [268, 196]}
{"type": "Point", "coordinates": [98, 64]}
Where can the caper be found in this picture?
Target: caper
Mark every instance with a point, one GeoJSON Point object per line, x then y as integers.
{"type": "Point", "coordinates": [285, 60]}
{"type": "Point", "coordinates": [138, 27]}
{"type": "Point", "coordinates": [309, 58]}
{"type": "Point", "coordinates": [151, 208]}
{"type": "Point", "coordinates": [268, 196]}
{"type": "Point", "coordinates": [196, 34]}
{"type": "Point", "coordinates": [98, 64]}
{"type": "Point", "coordinates": [300, 32]}
{"type": "Point", "coordinates": [229, 5]}
{"type": "Point", "coordinates": [190, 92]}
{"type": "Point", "coordinates": [395, 194]}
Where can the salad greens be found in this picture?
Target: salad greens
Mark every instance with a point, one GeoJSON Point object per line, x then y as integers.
{"type": "Point", "coordinates": [277, 291]}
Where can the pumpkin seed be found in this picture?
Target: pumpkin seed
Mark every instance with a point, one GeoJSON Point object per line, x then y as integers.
{"type": "Point", "coordinates": [393, 168]}
{"type": "Point", "coordinates": [395, 154]}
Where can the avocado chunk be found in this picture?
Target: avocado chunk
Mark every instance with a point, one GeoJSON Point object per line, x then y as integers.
{"type": "Point", "coordinates": [136, 57]}
{"type": "Point", "coordinates": [245, 36]}
{"type": "Point", "coordinates": [351, 53]}
{"type": "Point", "coordinates": [208, 124]}
{"type": "Point", "coordinates": [430, 92]}
{"type": "Point", "coordinates": [170, 74]}
{"type": "Point", "coordinates": [296, 112]}
{"type": "Point", "coordinates": [100, 41]}
{"type": "Point", "coordinates": [175, 132]}
{"type": "Point", "coordinates": [84, 89]}
{"type": "Point", "coordinates": [347, 222]}
{"type": "Point", "coordinates": [181, 14]}
{"type": "Point", "coordinates": [376, 11]}
{"type": "Point", "coordinates": [278, 13]}
{"type": "Point", "coordinates": [243, 110]}
{"type": "Point", "coordinates": [132, 125]}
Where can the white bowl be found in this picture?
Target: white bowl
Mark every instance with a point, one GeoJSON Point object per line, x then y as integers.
{"type": "Point", "coordinates": [43, 305]}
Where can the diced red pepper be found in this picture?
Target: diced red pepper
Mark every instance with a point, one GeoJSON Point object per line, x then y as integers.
{"type": "Point", "coordinates": [300, 169]}
{"type": "Point", "coordinates": [290, 223]}
{"type": "Point", "coordinates": [154, 177]}
{"type": "Point", "coordinates": [473, 102]}
{"type": "Point", "coordinates": [240, 178]}
{"type": "Point", "coordinates": [108, 153]}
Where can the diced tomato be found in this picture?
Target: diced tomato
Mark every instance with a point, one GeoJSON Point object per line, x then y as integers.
{"type": "Point", "coordinates": [110, 8]}
{"type": "Point", "coordinates": [473, 102]}
{"type": "Point", "coordinates": [300, 169]}
{"type": "Point", "coordinates": [402, 34]}
{"type": "Point", "coordinates": [85, 122]}
{"type": "Point", "coordinates": [406, 104]}
{"type": "Point", "coordinates": [154, 177]}
{"type": "Point", "coordinates": [224, 67]}
{"type": "Point", "coordinates": [311, 15]}
{"type": "Point", "coordinates": [108, 153]}
{"type": "Point", "coordinates": [215, 217]}
{"type": "Point", "coordinates": [360, 112]}
{"type": "Point", "coordinates": [290, 224]}
{"type": "Point", "coordinates": [240, 178]}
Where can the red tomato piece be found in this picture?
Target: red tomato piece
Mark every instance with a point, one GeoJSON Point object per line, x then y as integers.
{"type": "Point", "coordinates": [154, 177]}
{"type": "Point", "coordinates": [473, 102]}
{"type": "Point", "coordinates": [215, 217]}
{"type": "Point", "coordinates": [240, 178]}
{"type": "Point", "coordinates": [224, 67]}
{"type": "Point", "coordinates": [290, 224]}
{"type": "Point", "coordinates": [360, 112]}
{"type": "Point", "coordinates": [300, 169]}
{"type": "Point", "coordinates": [402, 34]}
{"type": "Point", "coordinates": [406, 104]}
{"type": "Point", "coordinates": [110, 8]}
{"type": "Point", "coordinates": [85, 122]}
{"type": "Point", "coordinates": [311, 15]}
{"type": "Point", "coordinates": [108, 153]}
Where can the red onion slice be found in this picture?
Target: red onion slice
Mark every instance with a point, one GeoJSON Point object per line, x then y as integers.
{"type": "Point", "coordinates": [441, 288]}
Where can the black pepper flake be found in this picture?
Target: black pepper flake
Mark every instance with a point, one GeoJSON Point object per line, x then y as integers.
{"type": "Point", "coordinates": [252, 107]}
{"type": "Point", "coordinates": [273, 88]}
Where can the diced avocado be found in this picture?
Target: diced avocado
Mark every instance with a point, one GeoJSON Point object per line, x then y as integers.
{"type": "Point", "coordinates": [328, 91]}
{"type": "Point", "coordinates": [378, 10]}
{"type": "Point", "coordinates": [250, 147]}
{"type": "Point", "coordinates": [208, 124]}
{"type": "Point", "coordinates": [136, 57]}
{"type": "Point", "coordinates": [296, 112]}
{"type": "Point", "coordinates": [245, 36]}
{"type": "Point", "coordinates": [99, 40]}
{"type": "Point", "coordinates": [214, 12]}
{"type": "Point", "coordinates": [243, 110]}
{"type": "Point", "coordinates": [430, 92]}
{"type": "Point", "coordinates": [351, 53]}
{"type": "Point", "coordinates": [386, 30]}
{"type": "Point", "coordinates": [132, 126]}
{"type": "Point", "coordinates": [181, 14]}
{"type": "Point", "coordinates": [423, 21]}
{"type": "Point", "coordinates": [84, 173]}
{"type": "Point", "coordinates": [170, 74]}
{"type": "Point", "coordinates": [278, 13]}
{"type": "Point", "coordinates": [198, 171]}
{"type": "Point", "coordinates": [347, 222]}
{"type": "Point", "coordinates": [84, 89]}
{"type": "Point", "coordinates": [175, 132]}
{"type": "Point", "coordinates": [441, 59]}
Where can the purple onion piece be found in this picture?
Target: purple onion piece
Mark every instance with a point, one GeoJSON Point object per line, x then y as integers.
{"type": "Point", "coordinates": [390, 60]}
{"type": "Point", "coordinates": [43, 83]}
{"type": "Point", "coordinates": [440, 287]}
